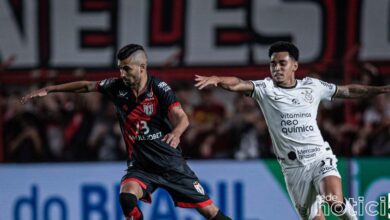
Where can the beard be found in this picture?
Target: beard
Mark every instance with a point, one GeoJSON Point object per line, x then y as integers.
{"type": "Point", "coordinates": [132, 84]}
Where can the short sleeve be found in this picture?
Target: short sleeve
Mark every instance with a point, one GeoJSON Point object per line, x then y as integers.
{"type": "Point", "coordinates": [166, 96]}
{"type": "Point", "coordinates": [107, 86]}
{"type": "Point", "coordinates": [326, 90]}
{"type": "Point", "coordinates": [258, 89]}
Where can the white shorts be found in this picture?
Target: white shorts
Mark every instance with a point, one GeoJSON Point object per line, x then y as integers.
{"type": "Point", "coordinates": [303, 184]}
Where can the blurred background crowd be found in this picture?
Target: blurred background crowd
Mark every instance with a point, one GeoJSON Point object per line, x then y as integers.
{"type": "Point", "coordinates": [83, 127]}
{"type": "Point", "coordinates": [342, 42]}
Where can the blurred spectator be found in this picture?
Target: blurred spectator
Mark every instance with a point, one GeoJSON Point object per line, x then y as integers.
{"type": "Point", "coordinates": [248, 131]}
{"type": "Point", "coordinates": [380, 141]}
{"type": "Point", "coordinates": [335, 131]}
{"type": "Point", "coordinates": [78, 128]}
{"type": "Point", "coordinates": [207, 118]}
{"type": "Point", "coordinates": [368, 75]}
{"type": "Point", "coordinates": [185, 95]}
{"type": "Point", "coordinates": [374, 132]}
{"type": "Point", "coordinates": [24, 134]}
{"type": "Point", "coordinates": [365, 111]}
{"type": "Point", "coordinates": [53, 124]}
{"type": "Point", "coordinates": [106, 138]}
{"type": "Point", "coordinates": [58, 128]}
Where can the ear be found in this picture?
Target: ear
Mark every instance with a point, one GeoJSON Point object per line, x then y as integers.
{"type": "Point", "coordinates": [142, 67]}
{"type": "Point", "coordinates": [295, 66]}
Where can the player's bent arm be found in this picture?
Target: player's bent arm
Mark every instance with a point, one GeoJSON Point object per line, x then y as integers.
{"type": "Point", "coordinates": [179, 120]}
{"type": "Point", "coordinates": [233, 84]}
{"type": "Point", "coordinates": [354, 91]}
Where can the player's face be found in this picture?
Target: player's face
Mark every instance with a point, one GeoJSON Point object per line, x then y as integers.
{"type": "Point", "coordinates": [283, 68]}
{"type": "Point", "coordinates": [131, 73]}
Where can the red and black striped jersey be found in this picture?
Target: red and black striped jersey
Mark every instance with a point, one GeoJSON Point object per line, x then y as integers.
{"type": "Point", "coordinates": [144, 122]}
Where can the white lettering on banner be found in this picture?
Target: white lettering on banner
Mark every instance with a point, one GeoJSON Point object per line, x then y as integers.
{"type": "Point", "coordinates": [388, 205]}
{"type": "Point", "coordinates": [361, 207]}
{"type": "Point", "coordinates": [203, 19]}
{"type": "Point", "coordinates": [378, 188]}
{"type": "Point", "coordinates": [20, 41]}
{"type": "Point", "coordinates": [90, 191]}
{"type": "Point", "coordinates": [269, 18]}
{"type": "Point", "coordinates": [204, 31]}
{"type": "Point", "coordinates": [375, 33]}
{"type": "Point", "coordinates": [133, 27]}
{"type": "Point", "coordinates": [66, 24]}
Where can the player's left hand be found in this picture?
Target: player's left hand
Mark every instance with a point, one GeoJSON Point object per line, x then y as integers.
{"type": "Point", "coordinates": [171, 139]}
{"type": "Point", "coordinates": [203, 81]}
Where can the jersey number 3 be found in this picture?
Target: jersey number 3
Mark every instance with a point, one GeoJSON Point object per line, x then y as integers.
{"type": "Point", "coordinates": [142, 128]}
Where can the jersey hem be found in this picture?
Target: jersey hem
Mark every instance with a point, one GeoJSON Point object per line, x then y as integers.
{"type": "Point", "coordinates": [194, 205]}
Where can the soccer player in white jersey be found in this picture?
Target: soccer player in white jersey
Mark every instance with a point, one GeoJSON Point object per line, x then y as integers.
{"type": "Point", "coordinates": [290, 108]}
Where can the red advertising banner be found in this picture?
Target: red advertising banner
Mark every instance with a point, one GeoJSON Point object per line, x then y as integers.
{"type": "Point", "coordinates": [184, 37]}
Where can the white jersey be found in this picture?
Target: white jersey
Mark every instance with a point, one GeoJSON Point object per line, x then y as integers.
{"type": "Point", "coordinates": [291, 115]}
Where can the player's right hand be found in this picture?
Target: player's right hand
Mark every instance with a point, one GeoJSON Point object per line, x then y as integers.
{"type": "Point", "coordinates": [37, 93]}
{"type": "Point", "coordinates": [172, 139]}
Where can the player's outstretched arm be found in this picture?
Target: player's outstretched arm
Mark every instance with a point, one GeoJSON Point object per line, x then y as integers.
{"type": "Point", "coordinates": [226, 82]}
{"type": "Point", "coordinates": [355, 91]}
{"type": "Point", "coordinates": [78, 86]}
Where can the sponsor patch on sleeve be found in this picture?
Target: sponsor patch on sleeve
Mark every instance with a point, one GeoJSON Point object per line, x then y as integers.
{"type": "Point", "coordinates": [164, 86]}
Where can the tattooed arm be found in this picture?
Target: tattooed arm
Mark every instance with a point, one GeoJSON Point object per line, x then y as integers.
{"type": "Point", "coordinates": [355, 91]}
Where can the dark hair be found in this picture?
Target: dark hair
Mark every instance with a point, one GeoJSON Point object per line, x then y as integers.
{"type": "Point", "coordinates": [283, 46]}
{"type": "Point", "coordinates": [127, 50]}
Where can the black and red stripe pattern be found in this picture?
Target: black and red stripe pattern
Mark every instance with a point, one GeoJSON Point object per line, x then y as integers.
{"type": "Point", "coordinates": [144, 120]}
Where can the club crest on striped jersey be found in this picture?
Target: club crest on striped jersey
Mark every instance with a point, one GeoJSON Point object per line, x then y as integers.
{"type": "Point", "coordinates": [148, 109]}
{"type": "Point", "coordinates": [149, 94]}
{"type": "Point", "coordinates": [199, 187]}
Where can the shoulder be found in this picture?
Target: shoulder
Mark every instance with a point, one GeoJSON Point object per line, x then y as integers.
{"type": "Point", "coordinates": [264, 83]}
{"type": "Point", "coordinates": [159, 84]}
{"type": "Point", "coordinates": [314, 81]}
{"type": "Point", "coordinates": [317, 82]}
{"type": "Point", "coordinates": [309, 81]}
{"type": "Point", "coordinates": [109, 81]}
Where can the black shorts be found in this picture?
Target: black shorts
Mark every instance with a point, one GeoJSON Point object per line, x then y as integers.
{"type": "Point", "coordinates": [182, 184]}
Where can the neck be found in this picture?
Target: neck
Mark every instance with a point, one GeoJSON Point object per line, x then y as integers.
{"type": "Point", "coordinates": [141, 86]}
{"type": "Point", "coordinates": [288, 83]}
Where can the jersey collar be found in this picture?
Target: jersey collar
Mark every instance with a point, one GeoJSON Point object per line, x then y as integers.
{"type": "Point", "coordinates": [288, 87]}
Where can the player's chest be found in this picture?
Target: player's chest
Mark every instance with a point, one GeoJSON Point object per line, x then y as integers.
{"type": "Point", "coordinates": [302, 97]}
{"type": "Point", "coordinates": [143, 106]}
